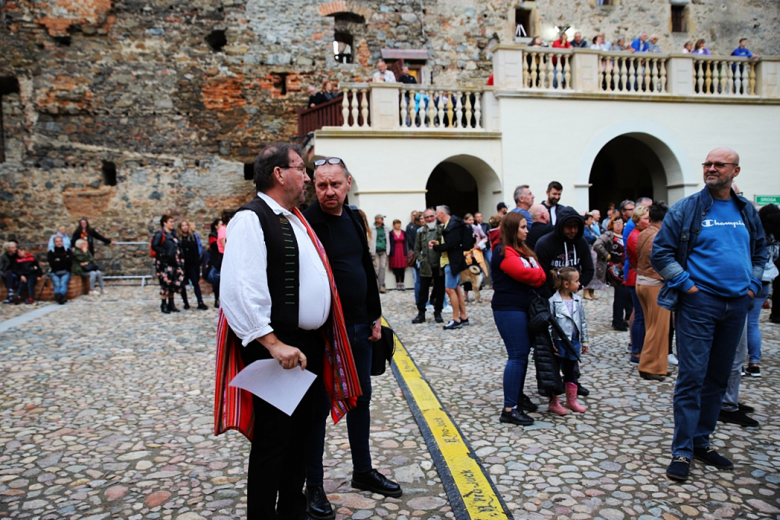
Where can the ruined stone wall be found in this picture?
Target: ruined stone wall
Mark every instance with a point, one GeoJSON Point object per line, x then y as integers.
{"type": "Point", "coordinates": [147, 86]}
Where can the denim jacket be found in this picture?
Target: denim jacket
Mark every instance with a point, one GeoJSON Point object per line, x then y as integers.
{"type": "Point", "coordinates": [677, 238]}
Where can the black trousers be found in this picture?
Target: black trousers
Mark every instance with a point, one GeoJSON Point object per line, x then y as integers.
{"type": "Point", "coordinates": [775, 314]}
{"type": "Point", "coordinates": [437, 296]}
{"type": "Point", "coordinates": [191, 273]}
{"type": "Point", "coordinates": [621, 305]}
{"type": "Point", "coordinates": [277, 460]}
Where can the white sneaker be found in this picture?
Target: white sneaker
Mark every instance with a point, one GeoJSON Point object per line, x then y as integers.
{"type": "Point", "coordinates": [672, 359]}
{"type": "Point", "coordinates": [447, 310]}
{"type": "Point", "coordinates": [93, 293]}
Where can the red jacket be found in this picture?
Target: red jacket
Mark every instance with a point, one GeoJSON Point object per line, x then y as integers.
{"type": "Point", "coordinates": [633, 258]}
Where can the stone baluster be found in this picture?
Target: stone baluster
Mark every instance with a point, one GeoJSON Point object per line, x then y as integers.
{"type": "Point", "coordinates": [345, 109]}
{"type": "Point", "coordinates": [478, 110]}
{"type": "Point", "coordinates": [648, 70]}
{"type": "Point", "coordinates": [364, 109]}
{"type": "Point", "coordinates": [404, 108]}
{"type": "Point", "coordinates": [729, 87]}
{"type": "Point", "coordinates": [708, 78]}
{"type": "Point", "coordinates": [450, 111]}
{"type": "Point", "coordinates": [431, 109]}
{"type": "Point", "coordinates": [751, 69]}
{"type": "Point", "coordinates": [652, 65]}
{"type": "Point", "coordinates": [609, 67]}
{"type": "Point", "coordinates": [440, 102]}
{"type": "Point", "coordinates": [459, 109]}
{"type": "Point", "coordinates": [663, 75]}
{"type": "Point", "coordinates": [623, 77]}
{"type": "Point", "coordinates": [567, 73]}
{"type": "Point", "coordinates": [354, 105]}
{"type": "Point", "coordinates": [737, 81]}
{"type": "Point", "coordinates": [716, 71]}
{"type": "Point", "coordinates": [468, 110]}
{"type": "Point", "coordinates": [550, 72]}
{"type": "Point", "coordinates": [631, 75]}
{"type": "Point", "coordinates": [534, 69]}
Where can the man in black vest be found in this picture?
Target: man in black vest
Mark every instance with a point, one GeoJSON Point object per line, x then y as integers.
{"type": "Point", "coordinates": [269, 256]}
{"type": "Point", "coordinates": [342, 234]}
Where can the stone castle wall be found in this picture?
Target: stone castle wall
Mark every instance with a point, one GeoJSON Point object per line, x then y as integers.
{"type": "Point", "coordinates": [136, 85]}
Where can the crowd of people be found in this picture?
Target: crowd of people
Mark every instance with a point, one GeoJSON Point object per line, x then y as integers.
{"type": "Point", "coordinates": [67, 255]}
{"type": "Point", "coordinates": [642, 43]}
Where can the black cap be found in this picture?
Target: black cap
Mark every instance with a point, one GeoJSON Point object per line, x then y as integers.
{"type": "Point", "coordinates": [500, 206]}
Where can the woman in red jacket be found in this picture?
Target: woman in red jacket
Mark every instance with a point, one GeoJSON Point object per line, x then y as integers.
{"type": "Point", "coordinates": [516, 274]}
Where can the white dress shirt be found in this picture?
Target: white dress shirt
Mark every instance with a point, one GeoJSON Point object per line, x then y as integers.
{"type": "Point", "coordinates": [243, 290]}
{"type": "Point", "coordinates": [388, 76]}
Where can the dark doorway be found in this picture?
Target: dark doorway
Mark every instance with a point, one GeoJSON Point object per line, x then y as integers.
{"type": "Point", "coordinates": [626, 168]}
{"type": "Point", "coordinates": [452, 185]}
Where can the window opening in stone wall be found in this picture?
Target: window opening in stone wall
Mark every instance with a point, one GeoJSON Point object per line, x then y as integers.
{"type": "Point", "coordinates": [249, 171]}
{"type": "Point", "coordinates": [62, 41]}
{"type": "Point", "coordinates": [523, 27]}
{"type": "Point", "coordinates": [603, 2]}
{"type": "Point", "coordinates": [342, 47]}
{"type": "Point", "coordinates": [8, 85]}
{"type": "Point", "coordinates": [279, 80]}
{"type": "Point", "coordinates": [679, 22]}
{"type": "Point", "coordinates": [216, 40]}
{"type": "Point", "coordinates": [109, 173]}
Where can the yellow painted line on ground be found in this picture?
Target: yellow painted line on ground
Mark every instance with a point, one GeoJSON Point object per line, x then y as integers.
{"type": "Point", "coordinates": [474, 487]}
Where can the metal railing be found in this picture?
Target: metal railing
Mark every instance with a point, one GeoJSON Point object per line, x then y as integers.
{"type": "Point", "coordinates": [130, 261]}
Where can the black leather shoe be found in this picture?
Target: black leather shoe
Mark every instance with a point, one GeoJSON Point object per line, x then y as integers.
{"type": "Point", "coordinates": [516, 416]}
{"type": "Point", "coordinates": [420, 318]}
{"type": "Point", "coordinates": [437, 317]}
{"type": "Point", "coordinates": [376, 483]}
{"type": "Point", "coordinates": [710, 457]}
{"type": "Point", "coordinates": [317, 504]}
{"type": "Point", "coordinates": [581, 390]}
{"type": "Point", "coordinates": [171, 306]}
{"type": "Point", "coordinates": [202, 307]}
{"type": "Point", "coordinates": [164, 308]}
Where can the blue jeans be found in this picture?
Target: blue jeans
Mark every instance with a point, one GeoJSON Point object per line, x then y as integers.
{"type": "Point", "coordinates": [416, 276]}
{"type": "Point", "coordinates": [513, 328]}
{"type": "Point", "coordinates": [754, 333]}
{"type": "Point", "coordinates": [731, 399]}
{"type": "Point", "coordinates": [27, 286]}
{"type": "Point", "coordinates": [358, 419]}
{"type": "Point", "coordinates": [60, 283]}
{"type": "Point", "coordinates": [450, 281]}
{"type": "Point", "coordinates": [708, 332]}
{"type": "Point", "coordinates": [638, 327]}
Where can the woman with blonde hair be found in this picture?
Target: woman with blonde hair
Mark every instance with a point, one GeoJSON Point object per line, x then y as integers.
{"type": "Point", "coordinates": [84, 265]}
{"type": "Point", "coordinates": [191, 252]}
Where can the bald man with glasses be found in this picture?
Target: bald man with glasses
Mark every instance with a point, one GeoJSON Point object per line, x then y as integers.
{"type": "Point", "coordinates": [711, 253]}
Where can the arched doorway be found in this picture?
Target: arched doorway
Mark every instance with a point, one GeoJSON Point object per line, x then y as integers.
{"type": "Point", "coordinates": [452, 185]}
{"type": "Point", "coordinates": [466, 184]}
{"type": "Point", "coordinates": [626, 168]}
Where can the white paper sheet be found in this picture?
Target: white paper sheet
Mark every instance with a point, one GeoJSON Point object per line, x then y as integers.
{"type": "Point", "coordinates": [281, 388]}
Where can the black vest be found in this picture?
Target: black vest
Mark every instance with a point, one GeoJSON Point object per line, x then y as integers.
{"type": "Point", "coordinates": [283, 270]}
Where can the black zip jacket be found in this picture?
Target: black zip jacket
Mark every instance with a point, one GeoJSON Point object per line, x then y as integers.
{"type": "Point", "coordinates": [60, 259]}
{"type": "Point", "coordinates": [554, 251]}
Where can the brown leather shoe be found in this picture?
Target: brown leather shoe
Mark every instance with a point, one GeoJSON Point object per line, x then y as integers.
{"type": "Point", "coordinates": [651, 377]}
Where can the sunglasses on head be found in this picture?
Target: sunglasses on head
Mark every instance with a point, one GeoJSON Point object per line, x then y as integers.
{"type": "Point", "coordinates": [329, 160]}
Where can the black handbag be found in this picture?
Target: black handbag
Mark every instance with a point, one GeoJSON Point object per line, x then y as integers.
{"type": "Point", "coordinates": [90, 267]}
{"type": "Point", "coordinates": [382, 351]}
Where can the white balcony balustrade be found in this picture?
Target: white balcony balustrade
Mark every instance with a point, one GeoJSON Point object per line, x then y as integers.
{"type": "Point", "coordinates": [724, 76]}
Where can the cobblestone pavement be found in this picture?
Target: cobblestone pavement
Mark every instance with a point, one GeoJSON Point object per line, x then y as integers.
{"type": "Point", "coordinates": [608, 462]}
{"type": "Point", "coordinates": [107, 413]}
{"type": "Point", "coordinates": [8, 311]}
{"type": "Point", "coordinates": [106, 409]}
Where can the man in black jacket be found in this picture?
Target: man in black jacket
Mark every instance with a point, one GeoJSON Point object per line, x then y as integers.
{"type": "Point", "coordinates": [565, 247]}
{"type": "Point", "coordinates": [457, 238]}
{"type": "Point", "coordinates": [343, 236]}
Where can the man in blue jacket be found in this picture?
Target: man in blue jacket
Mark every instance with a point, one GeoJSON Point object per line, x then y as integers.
{"type": "Point", "coordinates": [711, 252]}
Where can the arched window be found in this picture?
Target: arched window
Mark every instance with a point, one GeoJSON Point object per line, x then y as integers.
{"type": "Point", "coordinates": [347, 26]}
{"type": "Point", "coordinates": [8, 85]}
{"type": "Point", "coordinates": [342, 47]}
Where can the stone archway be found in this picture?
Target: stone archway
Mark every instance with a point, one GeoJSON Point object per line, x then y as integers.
{"type": "Point", "coordinates": [464, 183]}
{"type": "Point", "coordinates": [671, 172]}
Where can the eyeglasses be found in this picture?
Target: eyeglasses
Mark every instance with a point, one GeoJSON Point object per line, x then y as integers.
{"type": "Point", "coordinates": [626, 203]}
{"type": "Point", "coordinates": [329, 160]}
{"type": "Point", "coordinates": [301, 169]}
{"type": "Point", "coordinates": [717, 165]}
{"type": "Point", "coordinates": [428, 217]}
